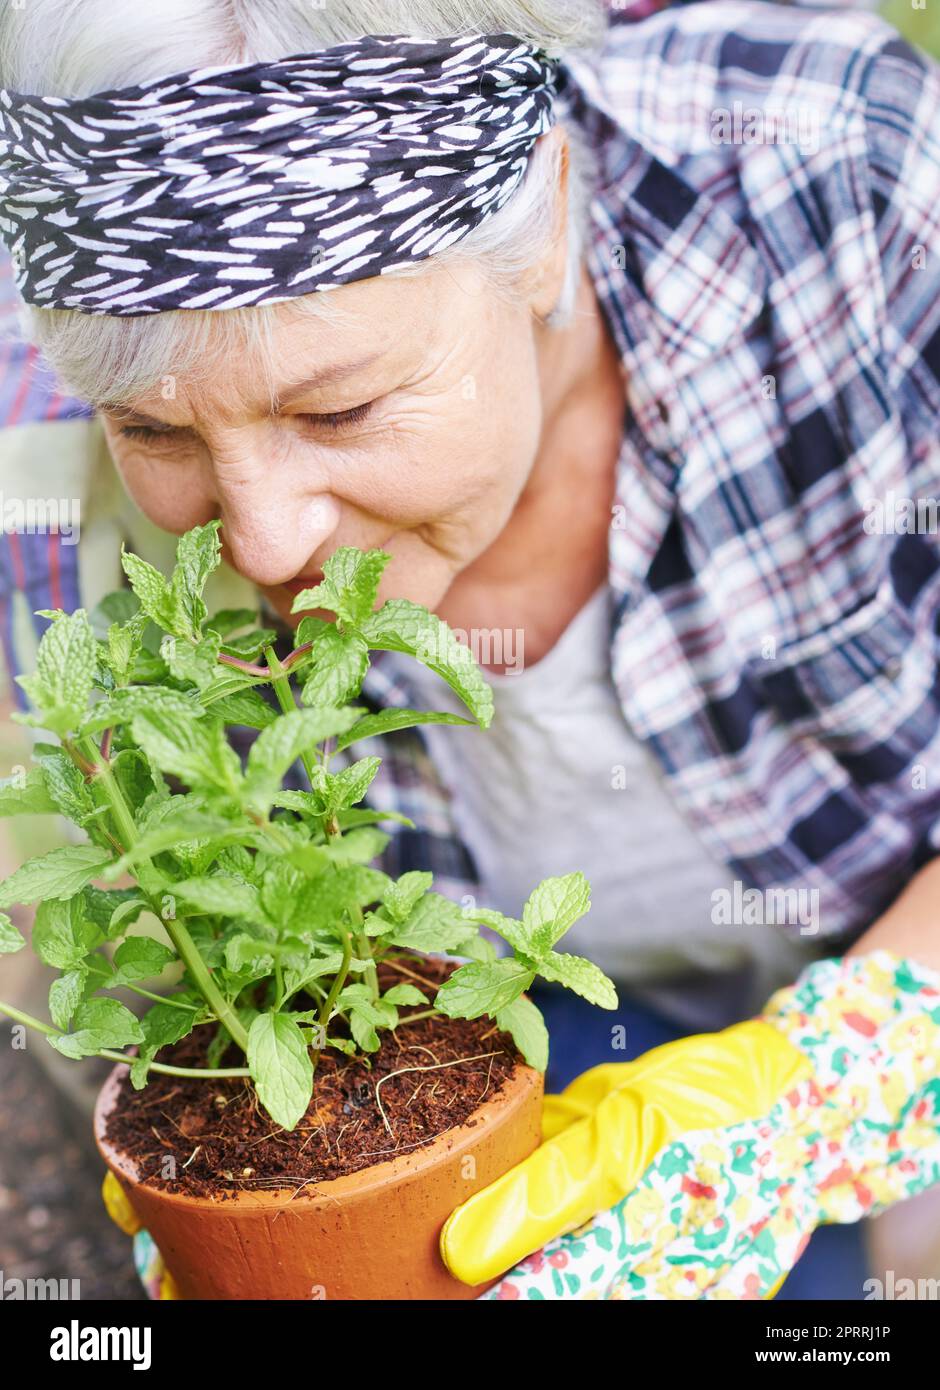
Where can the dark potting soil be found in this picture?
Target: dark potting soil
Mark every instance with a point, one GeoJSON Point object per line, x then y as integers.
{"type": "Point", "coordinates": [360, 1114]}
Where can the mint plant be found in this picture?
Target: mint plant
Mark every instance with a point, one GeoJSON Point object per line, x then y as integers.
{"type": "Point", "coordinates": [275, 914]}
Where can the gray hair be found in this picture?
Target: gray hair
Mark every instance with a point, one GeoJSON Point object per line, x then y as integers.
{"type": "Point", "coordinates": [72, 48]}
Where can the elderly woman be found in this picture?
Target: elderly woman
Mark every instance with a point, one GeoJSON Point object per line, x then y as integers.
{"type": "Point", "coordinates": [624, 342]}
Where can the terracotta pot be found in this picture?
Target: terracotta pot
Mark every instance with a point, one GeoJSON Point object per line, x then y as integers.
{"type": "Point", "coordinates": [369, 1235]}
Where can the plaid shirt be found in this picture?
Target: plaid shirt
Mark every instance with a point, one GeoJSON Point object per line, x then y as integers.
{"type": "Point", "coordinates": [776, 305]}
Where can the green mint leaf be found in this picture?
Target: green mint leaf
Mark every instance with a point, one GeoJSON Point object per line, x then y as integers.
{"type": "Point", "coordinates": [245, 707]}
{"type": "Point", "coordinates": [153, 593]}
{"type": "Point", "coordinates": [335, 669]}
{"type": "Point", "coordinates": [229, 621]}
{"type": "Point", "coordinates": [228, 681]}
{"type": "Point", "coordinates": [403, 995]}
{"type": "Point", "coordinates": [366, 1013]}
{"type": "Point", "coordinates": [309, 629]}
{"type": "Point", "coordinates": [125, 913]}
{"type": "Point", "coordinates": [281, 888]}
{"type": "Point", "coordinates": [121, 706]}
{"type": "Point", "coordinates": [197, 556]}
{"type": "Point", "coordinates": [62, 936]}
{"type": "Point", "coordinates": [221, 896]}
{"type": "Point", "coordinates": [350, 584]}
{"type": "Point", "coordinates": [297, 978]}
{"type": "Point", "coordinates": [553, 907]}
{"type": "Point", "coordinates": [280, 1067]}
{"type": "Point", "coordinates": [124, 644]}
{"type": "Point", "coordinates": [478, 948]}
{"type": "Point", "coordinates": [402, 626]}
{"type": "Point", "coordinates": [389, 721]}
{"type": "Point", "coordinates": [65, 995]}
{"type": "Point", "coordinates": [304, 803]}
{"type": "Point", "coordinates": [194, 662]}
{"type": "Point", "coordinates": [526, 1026]}
{"type": "Point", "coordinates": [58, 874]}
{"type": "Point", "coordinates": [26, 796]}
{"type": "Point", "coordinates": [65, 673]}
{"type": "Point", "coordinates": [193, 748]}
{"type": "Point", "coordinates": [358, 847]}
{"type": "Point", "coordinates": [363, 1030]}
{"type": "Point", "coordinates": [403, 896]}
{"type": "Point", "coordinates": [66, 787]}
{"type": "Point", "coordinates": [354, 818]}
{"type": "Point", "coordinates": [183, 830]}
{"type": "Point", "coordinates": [511, 930]}
{"type": "Point", "coordinates": [278, 747]}
{"type": "Point", "coordinates": [339, 790]}
{"type": "Point", "coordinates": [338, 890]}
{"type": "Point", "coordinates": [140, 958]}
{"type": "Point", "coordinates": [580, 975]}
{"type": "Point", "coordinates": [99, 905]}
{"type": "Point", "coordinates": [134, 776]}
{"type": "Point", "coordinates": [477, 989]}
{"type": "Point", "coordinates": [11, 939]}
{"type": "Point", "coordinates": [97, 1024]}
{"type": "Point", "coordinates": [248, 952]}
{"type": "Point", "coordinates": [161, 1025]}
{"type": "Point", "coordinates": [249, 645]}
{"type": "Point", "coordinates": [435, 924]}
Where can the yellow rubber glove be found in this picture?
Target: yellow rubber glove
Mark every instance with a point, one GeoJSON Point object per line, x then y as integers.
{"type": "Point", "coordinates": [157, 1280]}
{"type": "Point", "coordinates": [604, 1129]}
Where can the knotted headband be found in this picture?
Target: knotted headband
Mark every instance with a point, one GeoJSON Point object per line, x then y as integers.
{"type": "Point", "coordinates": [225, 187]}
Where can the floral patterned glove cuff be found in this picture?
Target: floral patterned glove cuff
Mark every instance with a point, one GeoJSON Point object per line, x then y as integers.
{"type": "Point", "coordinates": [726, 1213]}
{"type": "Point", "coordinates": [870, 1025]}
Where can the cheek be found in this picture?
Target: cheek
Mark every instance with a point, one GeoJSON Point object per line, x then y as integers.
{"type": "Point", "coordinates": [168, 493]}
{"type": "Point", "coordinates": [471, 445]}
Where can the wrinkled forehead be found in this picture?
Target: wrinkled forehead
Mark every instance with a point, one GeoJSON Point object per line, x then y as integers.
{"type": "Point", "coordinates": [362, 338]}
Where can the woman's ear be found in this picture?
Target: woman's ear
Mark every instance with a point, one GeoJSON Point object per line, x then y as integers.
{"type": "Point", "coordinates": [548, 275]}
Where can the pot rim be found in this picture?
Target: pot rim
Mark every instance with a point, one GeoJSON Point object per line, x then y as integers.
{"type": "Point", "coordinates": [491, 1112]}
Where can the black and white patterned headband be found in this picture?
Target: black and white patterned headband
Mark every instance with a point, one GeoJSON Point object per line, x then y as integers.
{"type": "Point", "coordinates": [251, 185]}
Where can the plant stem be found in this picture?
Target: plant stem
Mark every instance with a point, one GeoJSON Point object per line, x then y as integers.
{"type": "Point", "coordinates": [285, 696]}
{"type": "Point", "coordinates": [152, 885]}
{"type": "Point", "coordinates": [364, 946]}
{"type": "Point", "coordinates": [238, 665]}
{"type": "Point", "coordinates": [326, 1008]}
{"type": "Point", "coordinates": [27, 1019]}
{"type": "Point", "coordinates": [280, 682]}
{"type": "Point", "coordinates": [199, 1072]}
{"type": "Point", "coordinates": [159, 998]}
{"type": "Point", "coordinates": [263, 672]}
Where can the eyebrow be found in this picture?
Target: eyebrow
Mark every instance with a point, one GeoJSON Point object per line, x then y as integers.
{"type": "Point", "coordinates": [327, 377]}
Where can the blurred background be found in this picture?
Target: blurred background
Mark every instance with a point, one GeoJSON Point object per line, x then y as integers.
{"type": "Point", "coordinates": [52, 1222]}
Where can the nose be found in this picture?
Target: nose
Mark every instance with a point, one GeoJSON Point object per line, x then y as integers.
{"type": "Point", "coordinates": [270, 528]}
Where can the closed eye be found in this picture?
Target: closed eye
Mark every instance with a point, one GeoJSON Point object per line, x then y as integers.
{"type": "Point", "coordinates": [343, 417]}
{"type": "Point", "coordinates": [146, 432]}
{"type": "Point", "coordinates": [335, 421]}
